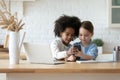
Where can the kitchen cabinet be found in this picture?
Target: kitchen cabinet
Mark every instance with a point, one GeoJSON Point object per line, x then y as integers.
{"type": "Point", "coordinates": [114, 13]}
{"type": "Point", "coordinates": [18, 6]}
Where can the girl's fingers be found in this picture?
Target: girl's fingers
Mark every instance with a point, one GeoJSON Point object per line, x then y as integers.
{"type": "Point", "coordinates": [71, 58]}
{"type": "Point", "coordinates": [77, 50]}
{"type": "Point", "coordinates": [76, 55]}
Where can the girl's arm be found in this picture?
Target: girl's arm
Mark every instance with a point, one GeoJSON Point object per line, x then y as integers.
{"type": "Point", "coordinates": [91, 54]}
{"type": "Point", "coordinates": [71, 58]}
{"type": "Point", "coordinates": [82, 55]}
{"type": "Point", "coordinates": [56, 53]}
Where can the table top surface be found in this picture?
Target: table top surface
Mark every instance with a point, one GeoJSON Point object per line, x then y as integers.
{"type": "Point", "coordinates": [69, 67]}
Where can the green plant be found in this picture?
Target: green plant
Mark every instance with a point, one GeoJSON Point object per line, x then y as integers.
{"type": "Point", "coordinates": [98, 42]}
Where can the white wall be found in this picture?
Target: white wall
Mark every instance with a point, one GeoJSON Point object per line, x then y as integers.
{"type": "Point", "coordinates": [40, 15]}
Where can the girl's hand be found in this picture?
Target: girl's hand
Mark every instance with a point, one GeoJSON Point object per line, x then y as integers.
{"type": "Point", "coordinates": [71, 58]}
{"type": "Point", "coordinates": [78, 53]}
{"type": "Point", "coordinates": [71, 51]}
{"type": "Point", "coordinates": [84, 56]}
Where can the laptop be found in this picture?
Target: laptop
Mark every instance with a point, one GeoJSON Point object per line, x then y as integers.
{"type": "Point", "coordinates": [38, 53]}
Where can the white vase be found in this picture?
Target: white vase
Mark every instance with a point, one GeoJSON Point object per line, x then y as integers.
{"type": "Point", "coordinates": [100, 50]}
{"type": "Point", "coordinates": [14, 52]}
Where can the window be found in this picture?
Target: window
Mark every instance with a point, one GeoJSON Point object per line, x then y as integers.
{"type": "Point", "coordinates": [114, 13]}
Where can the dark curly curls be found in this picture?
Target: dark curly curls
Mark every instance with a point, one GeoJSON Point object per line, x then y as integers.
{"type": "Point", "coordinates": [67, 22]}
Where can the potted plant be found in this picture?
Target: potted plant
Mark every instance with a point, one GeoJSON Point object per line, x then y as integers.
{"type": "Point", "coordinates": [99, 43]}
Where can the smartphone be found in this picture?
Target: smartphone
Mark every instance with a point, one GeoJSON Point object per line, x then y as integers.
{"type": "Point", "coordinates": [78, 47]}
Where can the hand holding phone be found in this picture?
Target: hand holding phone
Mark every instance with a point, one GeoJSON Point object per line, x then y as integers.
{"type": "Point", "coordinates": [77, 47]}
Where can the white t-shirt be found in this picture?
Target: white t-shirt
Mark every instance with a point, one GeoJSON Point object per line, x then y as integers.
{"type": "Point", "coordinates": [59, 49]}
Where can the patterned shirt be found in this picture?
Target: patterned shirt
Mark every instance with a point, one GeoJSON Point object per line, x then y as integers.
{"type": "Point", "coordinates": [90, 50]}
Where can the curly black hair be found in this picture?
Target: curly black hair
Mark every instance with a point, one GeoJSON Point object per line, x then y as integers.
{"type": "Point", "coordinates": [64, 22]}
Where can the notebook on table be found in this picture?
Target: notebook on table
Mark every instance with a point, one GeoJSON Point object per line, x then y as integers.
{"type": "Point", "coordinates": [103, 58]}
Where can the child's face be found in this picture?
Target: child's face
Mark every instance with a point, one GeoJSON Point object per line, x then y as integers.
{"type": "Point", "coordinates": [67, 35]}
{"type": "Point", "coordinates": [85, 35]}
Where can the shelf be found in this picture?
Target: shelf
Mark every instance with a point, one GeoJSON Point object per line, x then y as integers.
{"type": "Point", "coordinates": [18, 6]}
